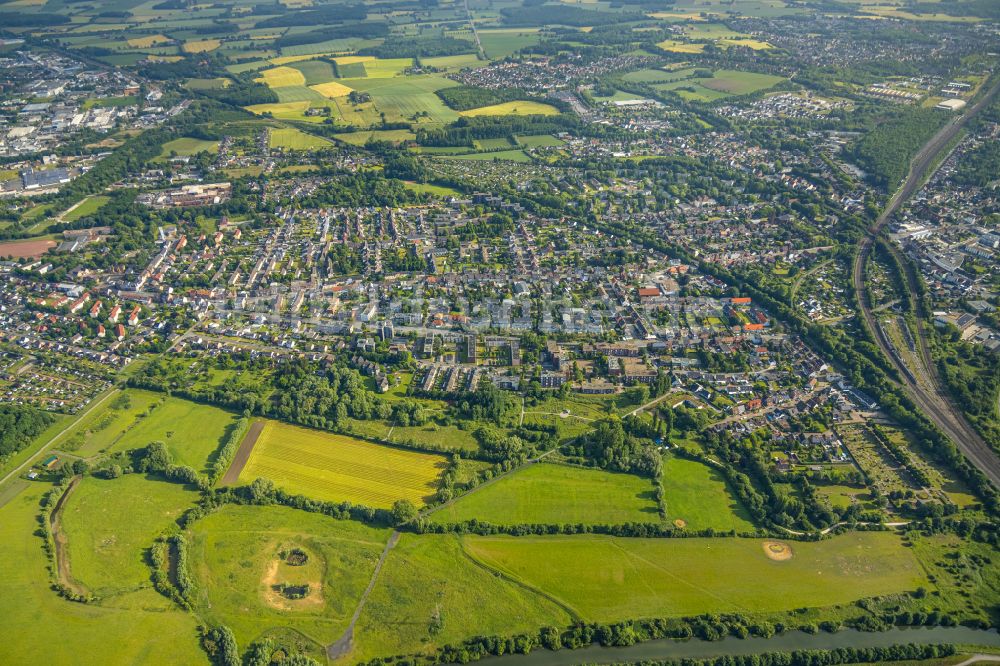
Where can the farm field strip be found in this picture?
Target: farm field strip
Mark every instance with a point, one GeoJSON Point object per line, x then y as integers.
{"type": "Point", "coordinates": [339, 468]}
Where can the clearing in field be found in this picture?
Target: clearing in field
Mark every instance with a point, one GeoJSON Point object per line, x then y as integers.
{"type": "Point", "coordinates": [736, 82]}
{"type": "Point", "coordinates": [279, 77]}
{"type": "Point", "coordinates": [187, 146]}
{"type": "Point", "coordinates": [332, 89]}
{"type": "Point", "coordinates": [429, 594]}
{"type": "Point", "coordinates": [109, 524]}
{"type": "Point", "coordinates": [519, 108]}
{"type": "Point", "coordinates": [337, 468]}
{"type": "Point", "coordinates": [249, 567]}
{"type": "Point", "coordinates": [558, 494]}
{"type": "Point", "coordinates": [290, 138]}
{"type": "Point", "coordinates": [698, 496]}
{"type": "Point", "coordinates": [608, 579]}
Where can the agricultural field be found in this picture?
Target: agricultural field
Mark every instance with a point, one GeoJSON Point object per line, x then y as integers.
{"type": "Point", "coordinates": [137, 624]}
{"type": "Point", "coordinates": [557, 494]}
{"type": "Point", "coordinates": [361, 138]}
{"type": "Point", "coordinates": [337, 468]}
{"type": "Point", "coordinates": [109, 524]}
{"type": "Point", "coordinates": [607, 579]}
{"type": "Point", "coordinates": [187, 146]}
{"type": "Point", "coordinates": [290, 138]}
{"type": "Point", "coordinates": [518, 108]}
{"type": "Point", "coordinates": [235, 556]}
{"type": "Point", "coordinates": [698, 498]}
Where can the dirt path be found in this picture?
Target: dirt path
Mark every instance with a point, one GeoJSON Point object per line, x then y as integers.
{"type": "Point", "coordinates": [63, 573]}
{"type": "Point", "coordinates": [345, 643]}
{"type": "Point", "coordinates": [232, 474]}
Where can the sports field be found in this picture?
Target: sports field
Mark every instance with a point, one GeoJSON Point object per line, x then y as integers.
{"type": "Point", "coordinates": [342, 469]}
{"type": "Point", "coordinates": [608, 579]}
{"type": "Point", "coordinates": [234, 555]}
{"type": "Point", "coordinates": [698, 496]}
{"type": "Point", "coordinates": [109, 524]}
{"type": "Point", "coordinates": [518, 108]}
{"type": "Point", "coordinates": [558, 494]}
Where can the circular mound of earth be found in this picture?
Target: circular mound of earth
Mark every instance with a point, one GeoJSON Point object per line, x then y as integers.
{"type": "Point", "coordinates": [778, 550]}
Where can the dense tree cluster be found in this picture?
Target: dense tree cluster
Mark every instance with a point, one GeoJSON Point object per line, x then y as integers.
{"type": "Point", "coordinates": [19, 424]}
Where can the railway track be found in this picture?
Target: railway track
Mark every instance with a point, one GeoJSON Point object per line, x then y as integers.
{"type": "Point", "coordinates": [935, 404]}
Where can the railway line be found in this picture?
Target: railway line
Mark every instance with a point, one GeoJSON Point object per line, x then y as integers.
{"type": "Point", "coordinates": [935, 404]}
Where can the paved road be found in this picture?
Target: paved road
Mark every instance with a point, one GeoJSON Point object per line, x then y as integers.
{"type": "Point", "coordinates": [934, 404]}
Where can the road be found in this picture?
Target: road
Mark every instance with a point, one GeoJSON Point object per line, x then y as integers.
{"type": "Point", "coordinates": [475, 33]}
{"type": "Point", "coordinates": [934, 404]}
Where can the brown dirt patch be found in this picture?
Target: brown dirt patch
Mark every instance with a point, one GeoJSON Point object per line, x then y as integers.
{"type": "Point", "coordinates": [681, 523]}
{"type": "Point", "coordinates": [31, 248]}
{"type": "Point", "coordinates": [777, 550]}
{"type": "Point", "coordinates": [232, 474]}
{"type": "Point", "coordinates": [276, 600]}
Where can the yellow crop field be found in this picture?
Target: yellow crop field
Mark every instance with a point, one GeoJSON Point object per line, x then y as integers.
{"type": "Point", "coordinates": [350, 60]}
{"type": "Point", "coordinates": [337, 468]}
{"type": "Point", "coordinates": [147, 41]}
{"type": "Point", "coordinates": [278, 77]}
{"type": "Point", "coordinates": [287, 60]}
{"type": "Point", "coordinates": [519, 108]}
{"type": "Point", "coordinates": [201, 45]}
{"type": "Point", "coordinates": [332, 89]}
{"type": "Point", "coordinates": [754, 44]}
{"type": "Point", "coordinates": [286, 110]}
{"type": "Point", "coordinates": [675, 46]}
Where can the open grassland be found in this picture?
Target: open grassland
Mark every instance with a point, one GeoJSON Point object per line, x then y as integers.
{"type": "Point", "coordinates": [407, 99]}
{"type": "Point", "coordinates": [736, 82]}
{"type": "Point", "coordinates": [503, 42]}
{"type": "Point", "coordinates": [518, 108]}
{"type": "Point", "coordinates": [290, 138]}
{"type": "Point", "coordinates": [509, 155]}
{"type": "Point", "coordinates": [675, 46]}
{"type": "Point", "coordinates": [234, 550]}
{"type": "Point", "coordinates": [147, 41]}
{"type": "Point", "coordinates": [455, 62]}
{"type": "Point", "coordinates": [428, 188]}
{"type": "Point", "coordinates": [280, 77]}
{"type": "Point", "coordinates": [538, 141]}
{"type": "Point", "coordinates": [558, 494]}
{"type": "Point", "coordinates": [361, 138]}
{"type": "Point", "coordinates": [447, 436]}
{"type": "Point", "coordinates": [609, 579]}
{"type": "Point", "coordinates": [314, 71]}
{"type": "Point", "coordinates": [187, 146]}
{"type": "Point", "coordinates": [191, 432]}
{"type": "Point", "coordinates": [109, 525]}
{"type": "Point", "coordinates": [430, 594]}
{"type": "Point", "coordinates": [88, 206]}
{"type": "Point", "coordinates": [698, 495]}
{"type": "Point", "coordinates": [40, 627]}
{"type": "Point", "coordinates": [332, 467]}
{"type": "Point", "coordinates": [207, 84]}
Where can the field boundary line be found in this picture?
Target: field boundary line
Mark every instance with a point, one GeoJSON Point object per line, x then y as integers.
{"type": "Point", "coordinates": [511, 578]}
{"type": "Point", "coordinates": [60, 541]}
{"type": "Point", "coordinates": [242, 456]}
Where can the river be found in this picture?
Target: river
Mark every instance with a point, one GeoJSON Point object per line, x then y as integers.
{"type": "Point", "coordinates": [786, 642]}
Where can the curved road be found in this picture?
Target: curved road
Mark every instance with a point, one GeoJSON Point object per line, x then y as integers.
{"type": "Point", "coordinates": [935, 405]}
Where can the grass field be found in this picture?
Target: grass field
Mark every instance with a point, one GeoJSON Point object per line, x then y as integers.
{"type": "Point", "coordinates": [110, 524]}
{"type": "Point", "coordinates": [509, 155]}
{"type": "Point", "coordinates": [736, 82]}
{"type": "Point", "coordinates": [361, 138]}
{"type": "Point", "coordinates": [314, 71]}
{"type": "Point", "coordinates": [186, 146]}
{"type": "Point", "coordinates": [608, 579]}
{"type": "Point", "coordinates": [147, 41]}
{"type": "Point", "coordinates": [231, 554]}
{"type": "Point", "coordinates": [290, 138]}
{"type": "Point", "coordinates": [448, 436]}
{"type": "Point", "coordinates": [558, 494]}
{"type": "Point", "coordinates": [698, 495]}
{"type": "Point", "coordinates": [88, 206]}
{"type": "Point", "coordinates": [519, 108]}
{"type": "Point", "coordinates": [200, 45]}
{"type": "Point", "coordinates": [675, 46]}
{"type": "Point", "coordinates": [429, 594]}
{"type": "Point", "coordinates": [140, 627]}
{"type": "Point", "coordinates": [191, 432]}
{"type": "Point", "coordinates": [539, 141]}
{"type": "Point", "coordinates": [428, 188]}
{"type": "Point", "coordinates": [338, 468]}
